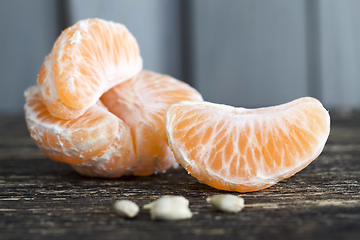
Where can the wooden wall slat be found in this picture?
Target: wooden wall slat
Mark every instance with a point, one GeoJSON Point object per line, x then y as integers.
{"type": "Point", "coordinates": [250, 53]}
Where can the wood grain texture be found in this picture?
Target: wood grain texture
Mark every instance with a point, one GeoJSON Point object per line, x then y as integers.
{"type": "Point", "coordinates": [42, 199]}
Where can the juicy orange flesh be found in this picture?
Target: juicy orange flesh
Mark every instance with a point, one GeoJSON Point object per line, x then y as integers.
{"type": "Point", "coordinates": [89, 78]}
{"type": "Point", "coordinates": [141, 102]}
{"type": "Point", "coordinates": [243, 147]}
{"type": "Point", "coordinates": [46, 83]}
{"type": "Point", "coordinates": [86, 60]}
{"type": "Point", "coordinates": [79, 132]}
{"type": "Point", "coordinates": [104, 44]}
{"type": "Point", "coordinates": [48, 96]}
{"type": "Point", "coordinates": [83, 140]}
{"type": "Point", "coordinates": [151, 150]}
{"type": "Point", "coordinates": [120, 163]}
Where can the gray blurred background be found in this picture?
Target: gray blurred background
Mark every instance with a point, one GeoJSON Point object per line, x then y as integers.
{"type": "Point", "coordinates": [248, 53]}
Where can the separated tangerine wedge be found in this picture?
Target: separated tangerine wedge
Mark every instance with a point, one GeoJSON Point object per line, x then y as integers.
{"type": "Point", "coordinates": [86, 60]}
{"type": "Point", "coordinates": [238, 149]}
{"type": "Point", "coordinates": [97, 144]}
{"type": "Point", "coordinates": [141, 102]}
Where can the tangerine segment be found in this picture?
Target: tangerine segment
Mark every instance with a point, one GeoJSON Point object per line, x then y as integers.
{"type": "Point", "coordinates": [141, 102]}
{"type": "Point", "coordinates": [86, 60]}
{"type": "Point", "coordinates": [96, 144]}
{"type": "Point", "coordinates": [245, 150]}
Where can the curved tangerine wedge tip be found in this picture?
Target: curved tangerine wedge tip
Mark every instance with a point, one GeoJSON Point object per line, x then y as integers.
{"type": "Point", "coordinates": [86, 60]}
{"type": "Point", "coordinates": [245, 150]}
{"type": "Point", "coordinates": [95, 144]}
{"type": "Point", "coordinates": [49, 96]}
{"type": "Point", "coordinates": [141, 102]}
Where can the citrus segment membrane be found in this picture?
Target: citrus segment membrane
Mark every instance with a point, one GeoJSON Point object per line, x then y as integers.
{"type": "Point", "coordinates": [86, 60]}
{"type": "Point", "coordinates": [141, 102]}
{"type": "Point", "coordinates": [243, 150]}
{"type": "Point", "coordinates": [96, 144]}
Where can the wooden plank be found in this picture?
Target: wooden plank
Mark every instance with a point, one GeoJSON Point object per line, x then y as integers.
{"type": "Point", "coordinates": [42, 199]}
{"type": "Point", "coordinates": [28, 30]}
{"type": "Point", "coordinates": [250, 53]}
{"type": "Point", "coordinates": [340, 53]}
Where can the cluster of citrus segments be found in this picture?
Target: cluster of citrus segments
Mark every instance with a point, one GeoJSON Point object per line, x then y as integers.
{"type": "Point", "coordinates": [97, 110]}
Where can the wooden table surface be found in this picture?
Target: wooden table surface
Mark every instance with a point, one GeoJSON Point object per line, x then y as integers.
{"type": "Point", "coordinates": [42, 199]}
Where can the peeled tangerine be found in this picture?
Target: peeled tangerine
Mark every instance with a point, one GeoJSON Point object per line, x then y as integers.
{"type": "Point", "coordinates": [132, 141]}
{"type": "Point", "coordinates": [69, 122]}
{"type": "Point", "coordinates": [245, 150]}
{"type": "Point", "coordinates": [87, 59]}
